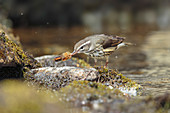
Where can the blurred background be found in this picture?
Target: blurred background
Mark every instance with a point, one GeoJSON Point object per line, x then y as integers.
{"type": "Point", "coordinates": [54, 26]}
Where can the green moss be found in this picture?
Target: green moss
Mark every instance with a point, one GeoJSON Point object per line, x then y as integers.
{"type": "Point", "coordinates": [11, 52]}
{"type": "Point", "coordinates": [112, 76]}
{"type": "Point", "coordinates": [88, 91]}
{"type": "Point", "coordinates": [81, 63]}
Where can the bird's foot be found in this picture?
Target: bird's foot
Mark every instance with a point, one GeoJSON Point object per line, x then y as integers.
{"type": "Point", "coordinates": [106, 65]}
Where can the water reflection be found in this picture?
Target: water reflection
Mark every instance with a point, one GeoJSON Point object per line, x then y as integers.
{"type": "Point", "coordinates": [156, 77]}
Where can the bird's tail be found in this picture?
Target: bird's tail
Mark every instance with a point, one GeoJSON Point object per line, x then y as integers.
{"type": "Point", "coordinates": [129, 44]}
{"type": "Point", "coordinates": [125, 44]}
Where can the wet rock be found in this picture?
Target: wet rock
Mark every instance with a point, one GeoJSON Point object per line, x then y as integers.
{"type": "Point", "coordinates": [87, 93]}
{"type": "Point", "coordinates": [13, 60]}
{"type": "Point", "coordinates": [76, 82]}
{"type": "Point", "coordinates": [59, 74]}
{"type": "Point", "coordinates": [57, 77]}
{"type": "Point", "coordinates": [160, 104]}
{"type": "Point", "coordinates": [130, 106]}
{"type": "Point", "coordinates": [163, 101]}
{"type": "Point", "coordinates": [100, 98]}
{"type": "Point", "coordinates": [114, 79]}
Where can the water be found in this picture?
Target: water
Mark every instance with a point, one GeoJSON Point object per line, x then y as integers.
{"type": "Point", "coordinates": [156, 76]}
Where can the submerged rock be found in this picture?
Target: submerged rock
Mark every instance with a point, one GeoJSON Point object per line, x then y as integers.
{"type": "Point", "coordinates": [13, 60]}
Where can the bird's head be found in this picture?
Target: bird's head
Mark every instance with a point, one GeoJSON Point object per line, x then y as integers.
{"type": "Point", "coordinates": [81, 47]}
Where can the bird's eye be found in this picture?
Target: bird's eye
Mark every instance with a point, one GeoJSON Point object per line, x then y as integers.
{"type": "Point", "coordinates": [81, 47]}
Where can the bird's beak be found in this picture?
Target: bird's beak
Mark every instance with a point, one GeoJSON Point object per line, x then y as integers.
{"type": "Point", "coordinates": [74, 52]}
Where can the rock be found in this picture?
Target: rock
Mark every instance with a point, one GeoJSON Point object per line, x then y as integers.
{"type": "Point", "coordinates": [146, 105]}
{"type": "Point", "coordinates": [57, 77]}
{"type": "Point", "coordinates": [114, 79]}
{"type": "Point", "coordinates": [87, 93]}
{"type": "Point", "coordinates": [162, 101]}
{"type": "Point", "coordinates": [13, 60]}
{"type": "Point", "coordinates": [10, 35]}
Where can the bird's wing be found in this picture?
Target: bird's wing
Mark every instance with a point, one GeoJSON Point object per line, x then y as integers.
{"type": "Point", "coordinates": [96, 41]}
{"type": "Point", "coordinates": [112, 41]}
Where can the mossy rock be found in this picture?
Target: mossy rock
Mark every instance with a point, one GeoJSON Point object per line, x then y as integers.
{"type": "Point", "coordinates": [9, 33]}
{"type": "Point", "coordinates": [56, 75]}
{"type": "Point", "coordinates": [100, 98]}
{"type": "Point", "coordinates": [13, 60]}
{"type": "Point", "coordinates": [113, 78]}
{"type": "Point", "coordinates": [82, 93]}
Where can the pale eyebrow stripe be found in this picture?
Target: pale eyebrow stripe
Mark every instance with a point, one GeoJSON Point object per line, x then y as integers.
{"type": "Point", "coordinates": [83, 45]}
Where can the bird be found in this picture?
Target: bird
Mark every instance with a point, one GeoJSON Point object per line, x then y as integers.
{"type": "Point", "coordinates": [99, 46]}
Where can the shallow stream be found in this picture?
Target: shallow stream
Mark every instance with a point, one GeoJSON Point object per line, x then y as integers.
{"type": "Point", "coordinates": [156, 76]}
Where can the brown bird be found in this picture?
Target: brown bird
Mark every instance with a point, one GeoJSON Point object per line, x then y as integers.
{"type": "Point", "coordinates": [99, 46]}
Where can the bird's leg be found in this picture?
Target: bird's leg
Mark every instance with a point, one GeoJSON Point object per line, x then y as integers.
{"type": "Point", "coordinates": [87, 60]}
{"type": "Point", "coordinates": [101, 63]}
{"type": "Point", "coordinates": [107, 61]}
{"type": "Point", "coordinates": [95, 62]}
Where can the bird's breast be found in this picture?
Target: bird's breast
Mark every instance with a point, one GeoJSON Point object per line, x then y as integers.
{"type": "Point", "coordinates": [98, 54]}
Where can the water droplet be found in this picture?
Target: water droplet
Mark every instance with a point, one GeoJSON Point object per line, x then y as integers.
{"type": "Point", "coordinates": [83, 102]}
{"type": "Point", "coordinates": [111, 87]}
{"type": "Point", "coordinates": [96, 106]}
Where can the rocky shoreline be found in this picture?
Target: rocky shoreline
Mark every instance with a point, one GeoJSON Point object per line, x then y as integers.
{"type": "Point", "coordinates": [75, 82]}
